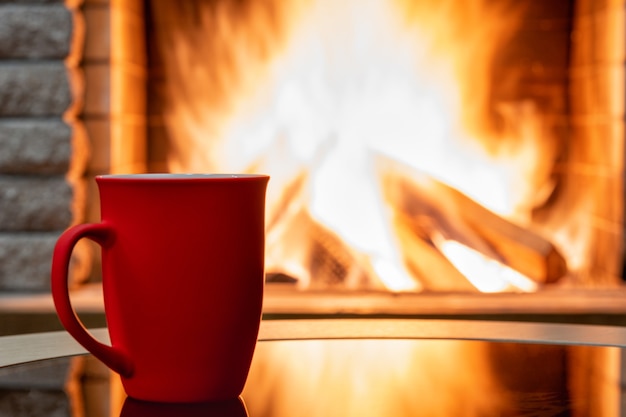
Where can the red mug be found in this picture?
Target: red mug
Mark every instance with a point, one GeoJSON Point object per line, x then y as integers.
{"type": "Point", "coordinates": [183, 279]}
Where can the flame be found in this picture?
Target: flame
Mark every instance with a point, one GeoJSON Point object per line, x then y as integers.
{"type": "Point", "coordinates": [486, 274]}
{"type": "Point", "coordinates": [313, 93]}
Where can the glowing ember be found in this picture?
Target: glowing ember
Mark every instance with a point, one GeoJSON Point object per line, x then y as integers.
{"type": "Point", "coordinates": [316, 103]}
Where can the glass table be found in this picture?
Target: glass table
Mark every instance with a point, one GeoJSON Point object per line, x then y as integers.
{"type": "Point", "coordinates": [392, 367]}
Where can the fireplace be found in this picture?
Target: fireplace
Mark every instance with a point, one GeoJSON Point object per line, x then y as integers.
{"type": "Point", "coordinates": [496, 142]}
{"type": "Point", "coordinates": [557, 71]}
{"type": "Point", "coordinates": [553, 85]}
{"type": "Point", "coordinates": [568, 87]}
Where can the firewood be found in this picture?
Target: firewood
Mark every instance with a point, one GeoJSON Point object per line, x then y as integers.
{"type": "Point", "coordinates": [441, 209]}
{"type": "Point", "coordinates": [425, 261]}
{"type": "Point", "coordinates": [524, 250]}
{"type": "Point", "coordinates": [299, 246]}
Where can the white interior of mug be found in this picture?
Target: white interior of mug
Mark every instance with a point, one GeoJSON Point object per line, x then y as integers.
{"type": "Point", "coordinates": [178, 176]}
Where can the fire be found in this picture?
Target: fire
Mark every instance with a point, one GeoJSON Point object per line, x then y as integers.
{"type": "Point", "coordinates": [473, 264]}
{"type": "Point", "coordinates": [318, 93]}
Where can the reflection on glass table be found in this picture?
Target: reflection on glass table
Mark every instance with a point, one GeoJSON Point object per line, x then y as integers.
{"type": "Point", "coordinates": [370, 368]}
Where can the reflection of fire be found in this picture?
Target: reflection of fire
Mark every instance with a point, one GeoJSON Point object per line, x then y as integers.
{"type": "Point", "coordinates": [325, 103]}
{"type": "Point", "coordinates": [384, 378]}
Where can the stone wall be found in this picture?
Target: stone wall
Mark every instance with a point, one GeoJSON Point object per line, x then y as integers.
{"type": "Point", "coordinates": [39, 133]}
{"type": "Point", "coordinates": [42, 160]}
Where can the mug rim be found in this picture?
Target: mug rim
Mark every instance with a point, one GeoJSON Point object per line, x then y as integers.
{"type": "Point", "coordinates": [164, 176]}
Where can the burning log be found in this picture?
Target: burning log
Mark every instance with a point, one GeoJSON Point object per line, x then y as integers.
{"type": "Point", "coordinates": [525, 251]}
{"type": "Point", "coordinates": [430, 219]}
{"type": "Point", "coordinates": [316, 256]}
{"type": "Point", "coordinates": [436, 209]}
{"type": "Point", "coordinates": [301, 247]}
{"type": "Point", "coordinates": [425, 261]}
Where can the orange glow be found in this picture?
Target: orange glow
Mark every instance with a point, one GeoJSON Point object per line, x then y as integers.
{"type": "Point", "coordinates": [374, 377]}
{"type": "Point", "coordinates": [344, 85]}
{"type": "Point", "coordinates": [487, 275]}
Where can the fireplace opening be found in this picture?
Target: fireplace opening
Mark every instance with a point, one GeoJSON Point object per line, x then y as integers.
{"type": "Point", "coordinates": [412, 147]}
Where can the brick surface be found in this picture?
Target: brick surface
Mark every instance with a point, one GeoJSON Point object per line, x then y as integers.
{"type": "Point", "coordinates": [97, 45]}
{"type": "Point", "coordinates": [34, 203]}
{"type": "Point", "coordinates": [25, 260]}
{"type": "Point", "coordinates": [34, 89]}
{"type": "Point", "coordinates": [35, 31]}
{"type": "Point", "coordinates": [36, 146]}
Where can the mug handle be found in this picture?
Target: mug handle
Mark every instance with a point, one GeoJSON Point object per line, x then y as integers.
{"type": "Point", "coordinates": [103, 235]}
